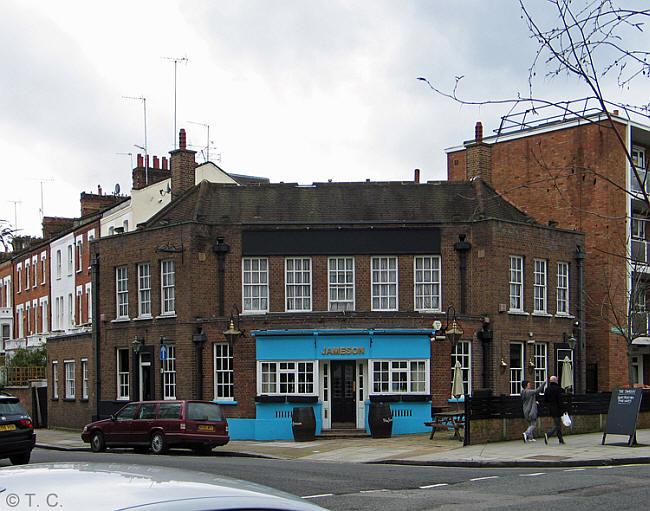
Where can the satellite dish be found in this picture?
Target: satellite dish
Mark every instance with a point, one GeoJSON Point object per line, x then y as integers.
{"type": "Point", "coordinates": [117, 188]}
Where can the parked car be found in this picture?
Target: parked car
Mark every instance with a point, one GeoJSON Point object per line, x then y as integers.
{"type": "Point", "coordinates": [159, 425]}
{"type": "Point", "coordinates": [113, 486]}
{"type": "Point", "coordinates": [17, 437]}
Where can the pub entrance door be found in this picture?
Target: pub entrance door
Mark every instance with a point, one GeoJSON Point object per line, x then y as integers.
{"type": "Point", "coordinates": [343, 394]}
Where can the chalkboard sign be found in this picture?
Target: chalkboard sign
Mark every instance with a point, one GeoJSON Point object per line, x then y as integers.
{"type": "Point", "coordinates": [623, 411]}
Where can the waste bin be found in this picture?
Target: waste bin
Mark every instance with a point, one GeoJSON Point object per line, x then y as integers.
{"type": "Point", "coordinates": [303, 424]}
{"type": "Point", "coordinates": [380, 420]}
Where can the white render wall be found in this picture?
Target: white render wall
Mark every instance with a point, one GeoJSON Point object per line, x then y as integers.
{"type": "Point", "coordinates": [62, 290]}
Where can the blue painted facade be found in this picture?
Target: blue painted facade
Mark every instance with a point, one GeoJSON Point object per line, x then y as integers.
{"type": "Point", "coordinates": [273, 419]}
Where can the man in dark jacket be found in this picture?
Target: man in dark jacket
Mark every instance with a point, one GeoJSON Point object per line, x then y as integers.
{"type": "Point", "coordinates": [553, 399]}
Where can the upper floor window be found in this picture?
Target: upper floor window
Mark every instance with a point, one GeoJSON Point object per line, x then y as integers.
{"type": "Point", "coordinates": [19, 275]}
{"type": "Point", "coordinates": [144, 290]}
{"type": "Point", "coordinates": [58, 264]}
{"type": "Point", "coordinates": [341, 283]}
{"type": "Point", "coordinates": [43, 269]}
{"type": "Point", "coordinates": [35, 271]}
{"type": "Point", "coordinates": [298, 284]}
{"type": "Point", "coordinates": [540, 285]}
{"type": "Point", "coordinates": [70, 260]}
{"type": "Point", "coordinates": [79, 255]}
{"type": "Point", "coordinates": [255, 284]}
{"type": "Point", "coordinates": [28, 277]}
{"type": "Point", "coordinates": [122, 291]}
{"type": "Point", "coordinates": [168, 282]}
{"type": "Point", "coordinates": [516, 283]}
{"type": "Point", "coordinates": [427, 282]}
{"type": "Point", "coordinates": [638, 157]}
{"type": "Point", "coordinates": [384, 283]}
{"type": "Point", "coordinates": [563, 288]}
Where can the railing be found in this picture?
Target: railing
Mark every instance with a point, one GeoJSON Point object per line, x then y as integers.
{"type": "Point", "coordinates": [20, 376]}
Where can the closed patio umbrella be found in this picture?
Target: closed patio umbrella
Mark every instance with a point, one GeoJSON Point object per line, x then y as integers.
{"type": "Point", "coordinates": [457, 388]}
{"type": "Point", "coordinates": [567, 374]}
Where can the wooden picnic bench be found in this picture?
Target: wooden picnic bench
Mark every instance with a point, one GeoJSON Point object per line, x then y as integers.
{"type": "Point", "coordinates": [447, 421]}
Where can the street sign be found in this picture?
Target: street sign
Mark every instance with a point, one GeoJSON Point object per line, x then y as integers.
{"type": "Point", "coordinates": [163, 352]}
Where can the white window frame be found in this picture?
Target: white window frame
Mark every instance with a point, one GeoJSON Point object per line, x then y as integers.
{"type": "Point", "coordinates": [399, 376]}
{"type": "Point", "coordinates": [44, 268]}
{"type": "Point", "coordinates": [517, 372]}
{"type": "Point", "coordinates": [516, 283]}
{"type": "Point", "coordinates": [562, 298]}
{"type": "Point", "coordinates": [255, 284]}
{"type": "Point", "coordinates": [144, 290]}
{"type": "Point", "coordinates": [44, 314]}
{"type": "Point", "coordinates": [28, 276]}
{"type": "Point", "coordinates": [69, 373]}
{"type": "Point", "coordinates": [540, 272]}
{"type": "Point", "coordinates": [70, 260]}
{"type": "Point", "coordinates": [122, 291]}
{"type": "Point", "coordinates": [287, 377]}
{"type": "Point", "coordinates": [28, 313]}
{"type": "Point", "coordinates": [55, 379]}
{"type": "Point", "coordinates": [169, 373]}
{"type": "Point", "coordinates": [89, 301]}
{"type": "Point", "coordinates": [79, 248]}
{"type": "Point", "coordinates": [80, 305]}
{"type": "Point", "coordinates": [462, 352]}
{"type": "Point", "coordinates": [84, 378]}
{"type": "Point", "coordinates": [540, 357]}
{"type": "Point", "coordinates": [122, 375]}
{"type": "Point", "coordinates": [384, 283]}
{"type": "Point", "coordinates": [167, 287]}
{"type": "Point", "coordinates": [427, 283]}
{"type": "Point", "coordinates": [19, 277]}
{"type": "Point", "coordinates": [21, 321]}
{"type": "Point", "coordinates": [224, 388]}
{"type": "Point", "coordinates": [58, 264]}
{"type": "Point", "coordinates": [71, 310]}
{"type": "Point", "coordinates": [297, 284]}
{"type": "Point", "coordinates": [639, 158]}
{"type": "Point", "coordinates": [341, 284]}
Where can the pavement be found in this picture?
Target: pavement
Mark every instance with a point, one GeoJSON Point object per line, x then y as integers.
{"type": "Point", "coordinates": [417, 449]}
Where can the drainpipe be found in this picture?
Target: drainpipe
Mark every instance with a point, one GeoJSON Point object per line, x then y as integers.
{"type": "Point", "coordinates": [580, 257]}
{"type": "Point", "coordinates": [462, 247]}
{"type": "Point", "coordinates": [199, 340]}
{"type": "Point", "coordinates": [221, 249]}
{"type": "Point", "coordinates": [94, 268]}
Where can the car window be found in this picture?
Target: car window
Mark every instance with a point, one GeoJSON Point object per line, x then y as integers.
{"type": "Point", "coordinates": [147, 411]}
{"type": "Point", "coordinates": [169, 411]}
{"type": "Point", "coordinates": [12, 408]}
{"type": "Point", "coordinates": [126, 413]}
{"type": "Point", "coordinates": [204, 412]}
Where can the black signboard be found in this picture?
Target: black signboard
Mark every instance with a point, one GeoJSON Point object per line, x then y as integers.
{"type": "Point", "coordinates": [623, 411]}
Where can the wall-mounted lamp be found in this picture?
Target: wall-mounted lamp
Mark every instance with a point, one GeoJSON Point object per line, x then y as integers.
{"type": "Point", "coordinates": [233, 333]}
{"type": "Point", "coordinates": [136, 344]}
{"type": "Point", "coordinates": [531, 364]}
{"type": "Point", "coordinates": [452, 333]}
{"type": "Point", "coordinates": [503, 364]}
{"type": "Point", "coordinates": [571, 341]}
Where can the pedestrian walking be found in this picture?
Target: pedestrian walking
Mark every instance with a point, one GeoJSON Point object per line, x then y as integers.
{"type": "Point", "coordinates": [553, 399]}
{"type": "Point", "coordinates": [529, 405]}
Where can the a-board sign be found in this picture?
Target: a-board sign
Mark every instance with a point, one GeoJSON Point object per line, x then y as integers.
{"type": "Point", "coordinates": [623, 411]}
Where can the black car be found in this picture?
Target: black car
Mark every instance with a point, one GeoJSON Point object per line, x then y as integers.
{"type": "Point", "coordinates": [17, 437]}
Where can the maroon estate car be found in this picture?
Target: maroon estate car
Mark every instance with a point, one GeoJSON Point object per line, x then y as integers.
{"type": "Point", "coordinates": [158, 425]}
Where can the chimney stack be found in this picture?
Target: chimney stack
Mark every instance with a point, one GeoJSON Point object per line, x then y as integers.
{"type": "Point", "coordinates": [156, 165]}
{"type": "Point", "coordinates": [478, 157]}
{"type": "Point", "coordinates": [140, 161]}
{"type": "Point", "coordinates": [417, 176]}
{"type": "Point", "coordinates": [182, 167]}
{"type": "Point", "coordinates": [164, 162]}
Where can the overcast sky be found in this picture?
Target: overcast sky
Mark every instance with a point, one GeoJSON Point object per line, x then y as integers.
{"type": "Point", "coordinates": [294, 90]}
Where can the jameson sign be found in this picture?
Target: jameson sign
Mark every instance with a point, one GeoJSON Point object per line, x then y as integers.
{"type": "Point", "coordinates": [344, 350]}
{"type": "Point", "coordinates": [622, 414]}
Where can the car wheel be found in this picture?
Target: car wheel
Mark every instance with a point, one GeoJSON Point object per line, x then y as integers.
{"type": "Point", "coordinates": [97, 443]}
{"type": "Point", "coordinates": [158, 443]}
{"type": "Point", "coordinates": [20, 459]}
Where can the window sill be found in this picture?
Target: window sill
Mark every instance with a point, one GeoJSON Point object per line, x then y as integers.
{"type": "Point", "coordinates": [225, 403]}
{"type": "Point", "coordinates": [143, 318]}
{"type": "Point", "coordinates": [428, 311]}
{"type": "Point", "coordinates": [562, 315]}
{"type": "Point", "coordinates": [518, 313]}
{"type": "Point", "coordinates": [120, 320]}
{"type": "Point", "coordinates": [167, 315]}
{"type": "Point", "coordinates": [542, 314]}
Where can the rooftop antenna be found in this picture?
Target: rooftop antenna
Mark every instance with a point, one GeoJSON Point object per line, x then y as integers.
{"type": "Point", "coordinates": [146, 159]}
{"type": "Point", "coordinates": [207, 147]}
{"type": "Point", "coordinates": [15, 203]}
{"type": "Point", "coordinates": [175, 60]}
{"type": "Point", "coordinates": [41, 210]}
{"type": "Point", "coordinates": [128, 154]}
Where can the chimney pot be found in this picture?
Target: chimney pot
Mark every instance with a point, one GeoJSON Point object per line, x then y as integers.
{"type": "Point", "coordinates": [147, 160]}
{"type": "Point", "coordinates": [140, 160]}
{"type": "Point", "coordinates": [417, 176]}
{"type": "Point", "coordinates": [164, 163]}
{"type": "Point", "coordinates": [99, 189]}
{"type": "Point", "coordinates": [182, 139]}
{"type": "Point", "coordinates": [478, 132]}
{"type": "Point", "coordinates": [156, 164]}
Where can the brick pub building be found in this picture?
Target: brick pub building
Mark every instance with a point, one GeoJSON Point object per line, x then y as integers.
{"type": "Point", "coordinates": [334, 289]}
{"type": "Point", "coordinates": [573, 173]}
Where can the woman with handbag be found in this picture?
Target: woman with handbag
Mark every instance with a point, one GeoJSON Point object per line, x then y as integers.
{"type": "Point", "coordinates": [553, 399]}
